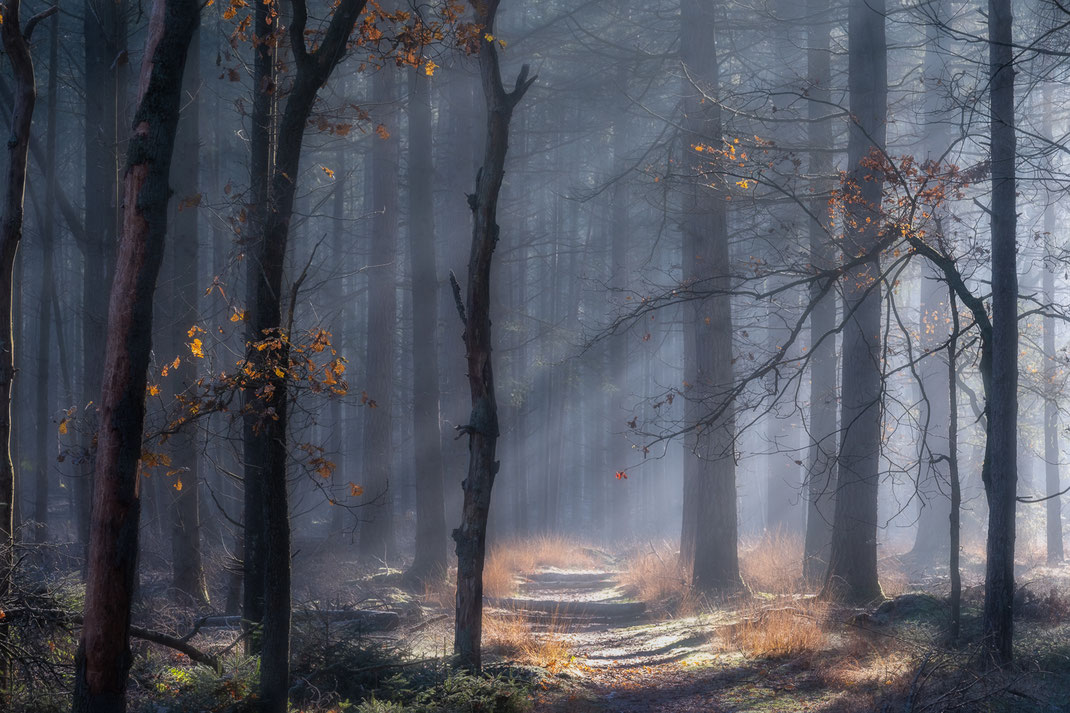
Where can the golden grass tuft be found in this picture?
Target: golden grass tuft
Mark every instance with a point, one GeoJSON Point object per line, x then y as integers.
{"type": "Point", "coordinates": [782, 631]}
{"type": "Point", "coordinates": [773, 564]}
{"type": "Point", "coordinates": [654, 574]}
{"type": "Point", "coordinates": [515, 638]}
{"type": "Point", "coordinates": [519, 556]}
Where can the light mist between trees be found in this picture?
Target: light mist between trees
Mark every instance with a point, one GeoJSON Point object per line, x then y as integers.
{"type": "Point", "coordinates": [356, 310]}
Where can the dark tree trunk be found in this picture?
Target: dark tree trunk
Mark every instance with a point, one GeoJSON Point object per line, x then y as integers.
{"type": "Point", "coordinates": [482, 426]}
{"type": "Point", "coordinates": [709, 540]}
{"type": "Point", "coordinates": [429, 561]}
{"type": "Point", "coordinates": [1001, 476]}
{"type": "Point", "coordinates": [267, 524]}
{"type": "Point", "coordinates": [953, 472]}
{"type": "Point", "coordinates": [852, 572]}
{"type": "Point", "coordinates": [103, 657]}
{"type": "Point", "coordinates": [187, 570]}
{"type": "Point", "coordinates": [42, 462]}
{"type": "Point", "coordinates": [106, 79]}
{"type": "Point", "coordinates": [821, 460]}
{"type": "Point", "coordinates": [377, 517]}
{"type": "Point", "coordinates": [256, 440]}
{"type": "Point", "coordinates": [17, 47]}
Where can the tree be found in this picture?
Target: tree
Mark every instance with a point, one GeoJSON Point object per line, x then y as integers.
{"type": "Point", "coordinates": [709, 538]}
{"type": "Point", "coordinates": [821, 459]}
{"type": "Point", "coordinates": [267, 523]}
{"type": "Point", "coordinates": [1001, 475]}
{"type": "Point", "coordinates": [429, 561]}
{"type": "Point", "coordinates": [16, 43]}
{"type": "Point", "coordinates": [377, 523]}
{"type": "Point", "coordinates": [852, 571]}
{"type": "Point", "coordinates": [482, 426]}
{"type": "Point", "coordinates": [103, 657]}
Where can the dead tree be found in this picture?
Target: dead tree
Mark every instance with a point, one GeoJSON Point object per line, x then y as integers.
{"type": "Point", "coordinates": [482, 427]}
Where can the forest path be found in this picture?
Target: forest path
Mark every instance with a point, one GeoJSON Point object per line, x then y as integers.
{"type": "Point", "coordinates": [626, 659]}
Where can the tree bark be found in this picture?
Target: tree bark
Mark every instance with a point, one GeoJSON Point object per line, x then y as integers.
{"type": "Point", "coordinates": [16, 44]}
{"type": "Point", "coordinates": [482, 426]}
{"type": "Point", "coordinates": [821, 459]}
{"type": "Point", "coordinates": [710, 537]}
{"type": "Point", "coordinates": [106, 80]}
{"type": "Point", "coordinates": [377, 517]}
{"type": "Point", "coordinates": [187, 569]}
{"type": "Point", "coordinates": [267, 525]}
{"type": "Point", "coordinates": [1001, 479]}
{"type": "Point", "coordinates": [852, 572]}
{"type": "Point", "coordinates": [1052, 456]}
{"type": "Point", "coordinates": [44, 312]}
{"type": "Point", "coordinates": [103, 657]}
{"type": "Point", "coordinates": [429, 561]}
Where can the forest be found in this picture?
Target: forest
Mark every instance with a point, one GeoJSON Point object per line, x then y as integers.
{"type": "Point", "coordinates": [534, 356]}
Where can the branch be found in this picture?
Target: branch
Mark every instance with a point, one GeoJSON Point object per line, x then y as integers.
{"type": "Point", "coordinates": [457, 298]}
{"type": "Point", "coordinates": [32, 22]}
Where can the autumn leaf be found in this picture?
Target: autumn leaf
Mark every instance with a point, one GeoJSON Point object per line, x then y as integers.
{"type": "Point", "coordinates": [381, 132]}
{"type": "Point", "coordinates": [178, 485]}
{"type": "Point", "coordinates": [621, 475]}
{"type": "Point", "coordinates": [429, 68]}
{"type": "Point", "coordinates": [329, 172]}
{"type": "Point", "coordinates": [63, 427]}
{"type": "Point", "coordinates": [154, 390]}
{"type": "Point", "coordinates": [355, 490]}
{"type": "Point", "coordinates": [197, 348]}
{"type": "Point", "coordinates": [238, 316]}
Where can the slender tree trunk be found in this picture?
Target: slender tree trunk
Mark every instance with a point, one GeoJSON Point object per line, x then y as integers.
{"type": "Point", "coordinates": [256, 439]}
{"type": "Point", "coordinates": [1001, 479]}
{"type": "Point", "coordinates": [377, 517]}
{"type": "Point", "coordinates": [187, 576]}
{"type": "Point", "coordinates": [103, 657]}
{"type": "Point", "coordinates": [1052, 452]}
{"type": "Point", "coordinates": [953, 471]}
{"type": "Point", "coordinates": [16, 45]}
{"type": "Point", "coordinates": [267, 524]}
{"type": "Point", "coordinates": [106, 70]}
{"type": "Point", "coordinates": [821, 460]}
{"type": "Point", "coordinates": [709, 542]}
{"type": "Point", "coordinates": [852, 572]}
{"type": "Point", "coordinates": [44, 311]}
{"type": "Point", "coordinates": [429, 561]}
{"type": "Point", "coordinates": [482, 426]}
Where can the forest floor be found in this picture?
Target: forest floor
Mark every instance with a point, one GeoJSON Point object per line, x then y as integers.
{"type": "Point", "coordinates": [773, 650]}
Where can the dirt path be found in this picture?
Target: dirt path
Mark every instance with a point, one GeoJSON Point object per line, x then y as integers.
{"type": "Point", "coordinates": [628, 660]}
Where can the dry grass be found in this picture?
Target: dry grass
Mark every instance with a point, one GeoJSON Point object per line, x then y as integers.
{"type": "Point", "coordinates": [654, 574]}
{"type": "Point", "coordinates": [773, 564]}
{"type": "Point", "coordinates": [790, 630]}
{"type": "Point", "coordinates": [893, 576]}
{"type": "Point", "coordinates": [507, 560]}
{"type": "Point", "coordinates": [515, 637]}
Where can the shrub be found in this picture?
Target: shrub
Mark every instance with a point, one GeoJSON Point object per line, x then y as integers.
{"type": "Point", "coordinates": [782, 631]}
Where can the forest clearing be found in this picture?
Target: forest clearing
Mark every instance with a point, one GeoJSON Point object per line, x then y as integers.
{"type": "Point", "coordinates": [534, 356]}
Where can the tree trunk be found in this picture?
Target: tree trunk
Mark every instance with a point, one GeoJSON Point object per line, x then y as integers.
{"type": "Point", "coordinates": [852, 572]}
{"type": "Point", "coordinates": [1001, 479]}
{"type": "Point", "coordinates": [103, 657]}
{"type": "Point", "coordinates": [377, 515]}
{"type": "Point", "coordinates": [821, 459]}
{"type": "Point", "coordinates": [106, 70]}
{"type": "Point", "coordinates": [709, 541]}
{"type": "Point", "coordinates": [17, 48]}
{"type": "Point", "coordinates": [953, 471]}
{"type": "Point", "coordinates": [267, 525]}
{"type": "Point", "coordinates": [187, 570]}
{"type": "Point", "coordinates": [482, 427]}
{"type": "Point", "coordinates": [42, 461]}
{"type": "Point", "coordinates": [256, 441]}
{"type": "Point", "coordinates": [1052, 457]}
{"type": "Point", "coordinates": [429, 561]}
